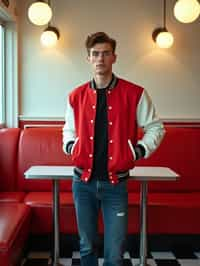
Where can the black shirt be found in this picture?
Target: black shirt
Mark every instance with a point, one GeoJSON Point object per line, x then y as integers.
{"type": "Point", "coordinates": [100, 168]}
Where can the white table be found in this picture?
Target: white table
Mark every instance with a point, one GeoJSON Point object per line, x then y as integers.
{"type": "Point", "coordinates": [143, 174]}
{"type": "Point", "coordinates": [54, 173]}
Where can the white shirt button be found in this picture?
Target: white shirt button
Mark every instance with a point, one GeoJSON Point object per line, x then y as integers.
{"type": "Point", "coordinates": [91, 138]}
{"type": "Point", "coordinates": [92, 121]}
{"type": "Point", "coordinates": [110, 123]}
{"type": "Point", "coordinates": [93, 106]}
{"type": "Point", "coordinates": [89, 170]}
{"type": "Point", "coordinates": [94, 91]}
{"type": "Point", "coordinates": [86, 178]}
{"type": "Point", "coordinates": [110, 141]}
{"type": "Point", "coordinates": [112, 181]}
{"type": "Point", "coordinates": [90, 155]}
{"type": "Point", "coordinates": [110, 107]}
{"type": "Point", "coordinates": [109, 92]}
{"type": "Point", "coordinates": [110, 157]}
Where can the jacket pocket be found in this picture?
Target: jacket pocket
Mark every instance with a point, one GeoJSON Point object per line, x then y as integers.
{"type": "Point", "coordinates": [132, 149]}
{"type": "Point", "coordinates": [74, 145]}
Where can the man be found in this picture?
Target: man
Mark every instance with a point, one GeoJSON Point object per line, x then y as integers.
{"type": "Point", "coordinates": [100, 133]}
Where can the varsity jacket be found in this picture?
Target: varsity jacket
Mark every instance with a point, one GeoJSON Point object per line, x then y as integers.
{"type": "Point", "coordinates": [129, 107]}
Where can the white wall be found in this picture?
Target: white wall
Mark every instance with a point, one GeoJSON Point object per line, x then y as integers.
{"type": "Point", "coordinates": [172, 77]}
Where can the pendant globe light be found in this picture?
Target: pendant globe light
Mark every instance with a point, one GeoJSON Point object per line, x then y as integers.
{"type": "Point", "coordinates": [186, 11]}
{"type": "Point", "coordinates": [162, 37]}
{"type": "Point", "coordinates": [40, 13]}
{"type": "Point", "coordinates": [50, 35]}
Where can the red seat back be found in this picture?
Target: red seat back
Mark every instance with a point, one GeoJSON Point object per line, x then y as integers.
{"type": "Point", "coordinates": [8, 158]}
{"type": "Point", "coordinates": [40, 146]}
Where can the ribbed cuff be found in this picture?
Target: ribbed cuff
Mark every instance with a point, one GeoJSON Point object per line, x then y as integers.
{"type": "Point", "coordinates": [69, 146]}
{"type": "Point", "coordinates": [139, 151]}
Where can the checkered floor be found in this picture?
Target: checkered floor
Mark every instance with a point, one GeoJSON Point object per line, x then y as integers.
{"type": "Point", "coordinates": [167, 258]}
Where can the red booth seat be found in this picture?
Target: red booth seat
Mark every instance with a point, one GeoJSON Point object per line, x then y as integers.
{"type": "Point", "coordinates": [14, 228]}
{"type": "Point", "coordinates": [173, 207]}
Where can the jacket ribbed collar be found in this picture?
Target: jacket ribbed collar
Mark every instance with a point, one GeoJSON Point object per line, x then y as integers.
{"type": "Point", "coordinates": [111, 85]}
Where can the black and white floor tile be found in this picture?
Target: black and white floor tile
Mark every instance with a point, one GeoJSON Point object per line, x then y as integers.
{"type": "Point", "coordinates": [167, 258]}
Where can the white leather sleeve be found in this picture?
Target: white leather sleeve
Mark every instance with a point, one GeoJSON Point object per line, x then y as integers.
{"type": "Point", "coordinates": [153, 128]}
{"type": "Point", "coordinates": [69, 126]}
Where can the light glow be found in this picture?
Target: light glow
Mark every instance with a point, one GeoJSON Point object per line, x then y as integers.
{"type": "Point", "coordinates": [39, 13]}
{"type": "Point", "coordinates": [186, 11]}
{"type": "Point", "coordinates": [164, 39]}
{"type": "Point", "coordinates": [49, 38]}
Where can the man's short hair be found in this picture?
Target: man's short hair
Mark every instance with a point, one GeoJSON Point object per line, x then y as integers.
{"type": "Point", "coordinates": [99, 37]}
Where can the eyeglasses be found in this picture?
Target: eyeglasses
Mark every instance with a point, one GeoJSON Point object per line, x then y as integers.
{"type": "Point", "coordinates": [103, 53]}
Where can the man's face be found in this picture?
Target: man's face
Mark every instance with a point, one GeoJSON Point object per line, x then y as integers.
{"type": "Point", "coordinates": [101, 57]}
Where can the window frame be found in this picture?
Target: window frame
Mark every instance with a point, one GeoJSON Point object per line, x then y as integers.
{"type": "Point", "coordinates": [11, 109]}
{"type": "Point", "coordinates": [11, 74]}
{"type": "Point", "coordinates": [3, 97]}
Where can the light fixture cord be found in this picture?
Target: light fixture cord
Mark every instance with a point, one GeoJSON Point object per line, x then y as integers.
{"type": "Point", "coordinates": [164, 13]}
{"type": "Point", "coordinates": [49, 3]}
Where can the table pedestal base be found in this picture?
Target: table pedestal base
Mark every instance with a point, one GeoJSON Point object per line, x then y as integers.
{"type": "Point", "coordinates": [143, 224]}
{"type": "Point", "coordinates": [56, 230]}
{"type": "Point", "coordinates": [53, 263]}
{"type": "Point", "coordinates": [143, 264]}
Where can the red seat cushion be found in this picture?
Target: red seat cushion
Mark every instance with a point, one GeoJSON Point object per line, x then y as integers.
{"type": "Point", "coordinates": [14, 229]}
{"type": "Point", "coordinates": [41, 207]}
{"type": "Point", "coordinates": [45, 199]}
{"type": "Point", "coordinates": [12, 216]}
{"type": "Point", "coordinates": [12, 196]}
{"type": "Point", "coordinates": [168, 213]}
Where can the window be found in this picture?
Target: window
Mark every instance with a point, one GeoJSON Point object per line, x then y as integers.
{"type": "Point", "coordinates": [8, 68]}
{"type": "Point", "coordinates": [2, 80]}
{"type": "Point", "coordinates": [8, 74]}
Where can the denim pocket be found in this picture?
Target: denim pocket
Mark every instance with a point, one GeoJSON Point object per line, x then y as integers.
{"type": "Point", "coordinates": [76, 178]}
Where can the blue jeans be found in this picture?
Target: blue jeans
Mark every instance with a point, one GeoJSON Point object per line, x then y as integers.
{"type": "Point", "coordinates": [113, 201]}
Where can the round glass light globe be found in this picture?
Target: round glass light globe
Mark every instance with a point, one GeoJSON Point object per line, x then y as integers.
{"type": "Point", "coordinates": [186, 11]}
{"type": "Point", "coordinates": [49, 38]}
{"type": "Point", "coordinates": [165, 39]}
{"type": "Point", "coordinates": [39, 13]}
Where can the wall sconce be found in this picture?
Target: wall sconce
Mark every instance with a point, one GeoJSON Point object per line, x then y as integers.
{"type": "Point", "coordinates": [50, 36]}
{"type": "Point", "coordinates": [40, 13]}
{"type": "Point", "coordinates": [186, 11]}
{"type": "Point", "coordinates": [162, 37]}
